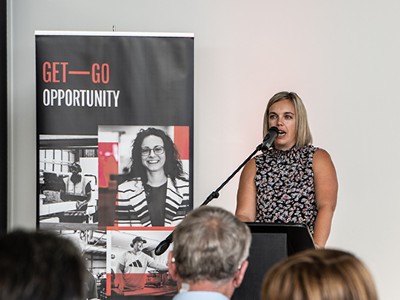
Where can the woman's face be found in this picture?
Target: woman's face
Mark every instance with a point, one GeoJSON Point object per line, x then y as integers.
{"type": "Point", "coordinates": [153, 153]}
{"type": "Point", "coordinates": [282, 115]}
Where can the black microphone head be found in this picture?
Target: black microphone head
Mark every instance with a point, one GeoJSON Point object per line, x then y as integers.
{"type": "Point", "coordinates": [270, 137]}
{"type": "Point", "coordinates": [273, 129]}
{"type": "Point", "coordinates": [163, 245]}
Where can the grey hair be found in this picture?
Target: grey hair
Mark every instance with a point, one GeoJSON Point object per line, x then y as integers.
{"type": "Point", "coordinates": [304, 136]}
{"type": "Point", "coordinates": [210, 244]}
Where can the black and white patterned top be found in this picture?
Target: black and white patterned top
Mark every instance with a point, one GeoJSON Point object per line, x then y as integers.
{"type": "Point", "coordinates": [285, 186]}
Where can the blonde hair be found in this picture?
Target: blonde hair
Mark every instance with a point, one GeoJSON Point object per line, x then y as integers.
{"type": "Point", "coordinates": [303, 136]}
{"type": "Point", "coordinates": [319, 275]}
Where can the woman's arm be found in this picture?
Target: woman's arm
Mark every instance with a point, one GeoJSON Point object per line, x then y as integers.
{"type": "Point", "coordinates": [246, 195]}
{"type": "Point", "coordinates": [326, 187]}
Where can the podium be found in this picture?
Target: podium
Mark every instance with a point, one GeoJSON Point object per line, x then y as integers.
{"type": "Point", "coordinates": [271, 242]}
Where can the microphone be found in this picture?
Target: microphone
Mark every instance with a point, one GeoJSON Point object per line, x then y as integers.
{"type": "Point", "coordinates": [267, 142]}
{"type": "Point", "coordinates": [163, 245]}
{"type": "Point", "coordinates": [269, 138]}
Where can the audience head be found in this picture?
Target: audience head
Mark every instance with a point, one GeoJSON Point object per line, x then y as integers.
{"type": "Point", "coordinates": [39, 266]}
{"type": "Point", "coordinates": [210, 245]}
{"type": "Point", "coordinates": [319, 275]}
{"type": "Point", "coordinates": [304, 136]}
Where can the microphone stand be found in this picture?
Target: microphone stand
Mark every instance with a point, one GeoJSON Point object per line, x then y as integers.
{"type": "Point", "coordinates": [163, 245]}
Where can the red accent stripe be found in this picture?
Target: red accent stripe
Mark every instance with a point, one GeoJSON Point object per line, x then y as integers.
{"type": "Point", "coordinates": [79, 72]}
{"type": "Point", "coordinates": [181, 140]}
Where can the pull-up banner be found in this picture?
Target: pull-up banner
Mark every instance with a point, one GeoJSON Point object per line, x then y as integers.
{"type": "Point", "coordinates": [115, 151]}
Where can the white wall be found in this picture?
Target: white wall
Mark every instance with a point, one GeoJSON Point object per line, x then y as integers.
{"type": "Point", "coordinates": [341, 57]}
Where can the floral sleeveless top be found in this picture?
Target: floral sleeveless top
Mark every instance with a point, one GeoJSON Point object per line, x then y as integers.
{"type": "Point", "coordinates": [285, 186]}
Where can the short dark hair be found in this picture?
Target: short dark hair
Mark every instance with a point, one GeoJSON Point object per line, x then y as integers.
{"type": "Point", "coordinates": [173, 166]}
{"type": "Point", "coordinates": [39, 266]}
{"type": "Point", "coordinates": [75, 167]}
{"type": "Point", "coordinates": [137, 239]}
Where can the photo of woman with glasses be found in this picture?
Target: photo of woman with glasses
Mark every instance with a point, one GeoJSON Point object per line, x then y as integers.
{"type": "Point", "coordinates": [156, 192]}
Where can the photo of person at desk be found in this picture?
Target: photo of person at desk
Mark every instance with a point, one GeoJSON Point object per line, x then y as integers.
{"type": "Point", "coordinates": [75, 188]}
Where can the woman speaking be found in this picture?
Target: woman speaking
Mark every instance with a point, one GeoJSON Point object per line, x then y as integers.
{"type": "Point", "coordinates": [293, 181]}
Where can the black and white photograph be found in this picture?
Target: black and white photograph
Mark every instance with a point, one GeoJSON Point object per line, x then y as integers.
{"type": "Point", "coordinates": [152, 184]}
{"type": "Point", "coordinates": [68, 180]}
{"type": "Point", "coordinates": [134, 268]}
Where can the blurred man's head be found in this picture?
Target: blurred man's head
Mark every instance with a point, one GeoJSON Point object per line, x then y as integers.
{"type": "Point", "coordinates": [210, 245]}
{"type": "Point", "coordinates": [39, 266]}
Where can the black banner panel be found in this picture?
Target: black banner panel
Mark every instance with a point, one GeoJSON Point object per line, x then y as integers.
{"type": "Point", "coordinates": [115, 151]}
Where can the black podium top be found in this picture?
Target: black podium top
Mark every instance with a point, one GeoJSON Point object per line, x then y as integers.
{"type": "Point", "coordinates": [298, 235]}
{"type": "Point", "coordinates": [271, 243]}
